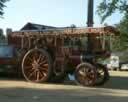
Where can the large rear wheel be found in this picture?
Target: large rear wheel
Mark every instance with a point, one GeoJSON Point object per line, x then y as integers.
{"type": "Point", "coordinates": [37, 66]}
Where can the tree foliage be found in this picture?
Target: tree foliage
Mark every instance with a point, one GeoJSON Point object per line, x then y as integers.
{"type": "Point", "coordinates": [2, 5]}
{"type": "Point", "coordinates": [107, 7]}
{"type": "Point", "coordinates": [123, 28]}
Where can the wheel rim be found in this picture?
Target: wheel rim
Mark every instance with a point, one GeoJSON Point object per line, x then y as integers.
{"type": "Point", "coordinates": [35, 66]}
{"type": "Point", "coordinates": [85, 75]}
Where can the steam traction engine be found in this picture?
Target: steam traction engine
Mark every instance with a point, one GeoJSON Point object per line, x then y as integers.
{"type": "Point", "coordinates": [50, 55]}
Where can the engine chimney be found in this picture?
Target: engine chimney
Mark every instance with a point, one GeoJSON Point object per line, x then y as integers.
{"type": "Point", "coordinates": [90, 13]}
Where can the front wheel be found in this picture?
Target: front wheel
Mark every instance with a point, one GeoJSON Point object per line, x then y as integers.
{"type": "Point", "coordinates": [85, 74]}
{"type": "Point", "coordinates": [37, 65]}
{"type": "Point", "coordinates": [102, 74]}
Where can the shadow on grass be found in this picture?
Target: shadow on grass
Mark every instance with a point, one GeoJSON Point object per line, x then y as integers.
{"type": "Point", "coordinates": [115, 82]}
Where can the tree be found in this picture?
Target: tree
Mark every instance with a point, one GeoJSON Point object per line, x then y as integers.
{"type": "Point", "coordinates": [107, 7]}
{"type": "Point", "coordinates": [2, 5]}
{"type": "Point", "coordinates": [122, 27]}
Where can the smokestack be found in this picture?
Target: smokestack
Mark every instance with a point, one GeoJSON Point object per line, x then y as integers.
{"type": "Point", "coordinates": [90, 13]}
{"type": "Point", "coordinates": [90, 24]}
{"type": "Point", "coordinates": [8, 31]}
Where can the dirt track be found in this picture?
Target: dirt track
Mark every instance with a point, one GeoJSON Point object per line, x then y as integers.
{"type": "Point", "coordinates": [116, 90]}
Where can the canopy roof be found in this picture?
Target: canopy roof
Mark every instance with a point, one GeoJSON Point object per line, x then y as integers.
{"type": "Point", "coordinates": [93, 31]}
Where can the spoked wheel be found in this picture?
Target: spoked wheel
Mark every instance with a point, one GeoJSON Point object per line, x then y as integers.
{"type": "Point", "coordinates": [37, 66]}
{"type": "Point", "coordinates": [102, 74]}
{"type": "Point", "coordinates": [85, 74]}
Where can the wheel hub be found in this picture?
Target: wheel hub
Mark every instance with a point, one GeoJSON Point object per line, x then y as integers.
{"type": "Point", "coordinates": [35, 65]}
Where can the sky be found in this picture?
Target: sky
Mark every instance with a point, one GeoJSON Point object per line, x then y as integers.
{"type": "Point", "coordinates": [50, 12]}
